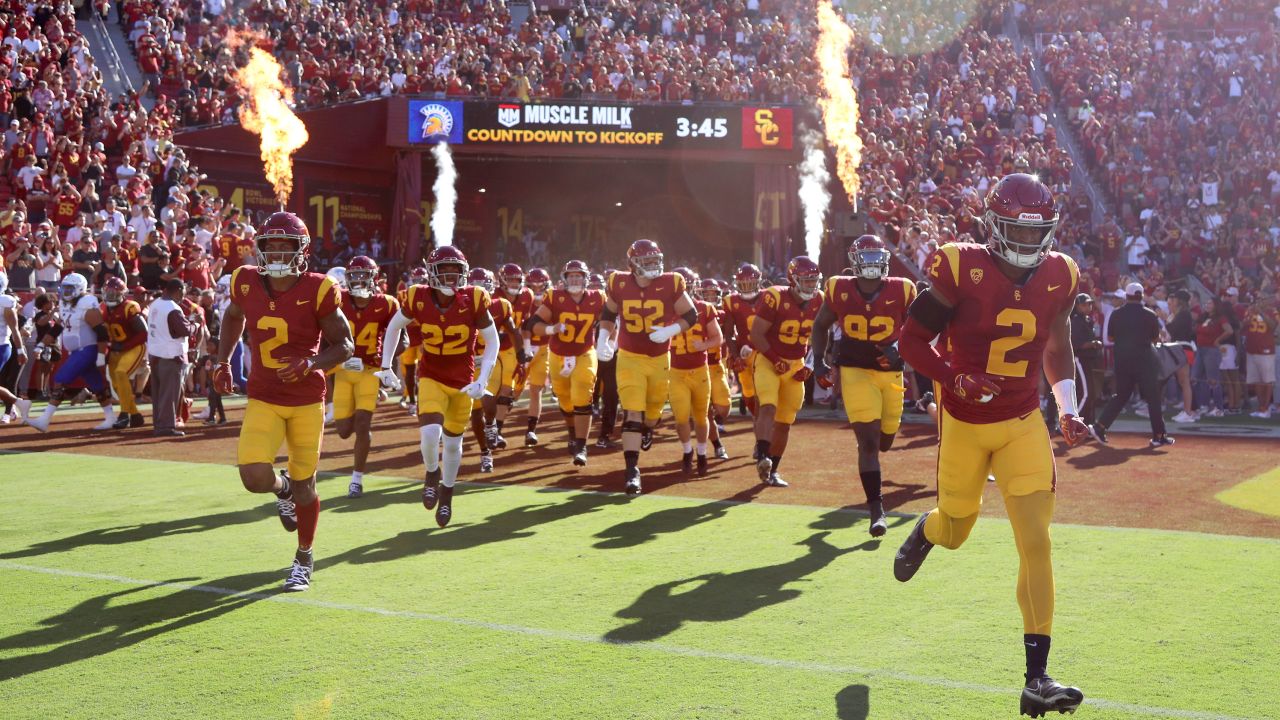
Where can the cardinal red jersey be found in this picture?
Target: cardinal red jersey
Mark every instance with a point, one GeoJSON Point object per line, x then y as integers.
{"type": "Point", "coordinates": [521, 304]}
{"type": "Point", "coordinates": [579, 318]}
{"type": "Point", "coordinates": [790, 320]}
{"type": "Point", "coordinates": [684, 355]}
{"type": "Point", "coordinates": [500, 311]}
{"type": "Point", "coordinates": [369, 324]}
{"type": "Point", "coordinates": [868, 322]}
{"type": "Point", "coordinates": [534, 302]}
{"type": "Point", "coordinates": [714, 354]}
{"type": "Point", "coordinates": [415, 333]}
{"type": "Point", "coordinates": [641, 309]}
{"type": "Point", "coordinates": [284, 326]}
{"type": "Point", "coordinates": [1258, 338]}
{"type": "Point", "coordinates": [448, 333]}
{"type": "Point", "coordinates": [121, 327]}
{"type": "Point", "coordinates": [999, 326]}
{"type": "Point", "coordinates": [739, 311]}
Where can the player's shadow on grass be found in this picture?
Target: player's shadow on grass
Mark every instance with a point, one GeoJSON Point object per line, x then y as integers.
{"type": "Point", "coordinates": [672, 520]}
{"type": "Point", "coordinates": [1105, 456]}
{"type": "Point", "coordinates": [718, 597]}
{"type": "Point", "coordinates": [473, 532]}
{"type": "Point", "coordinates": [124, 534]}
{"type": "Point", "coordinates": [110, 622]}
{"type": "Point", "coordinates": [853, 703]}
{"type": "Point", "coordinates": [851, 515]}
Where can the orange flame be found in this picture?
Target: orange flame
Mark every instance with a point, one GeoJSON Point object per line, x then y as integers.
{"type": "Point", "coordinates": [265, 112]}
{"type": "Point", "coordinates": [839, 101]}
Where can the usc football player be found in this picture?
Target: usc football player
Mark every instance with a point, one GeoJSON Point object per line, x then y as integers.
{"type": "Point", "coordinates": [1005, 308]}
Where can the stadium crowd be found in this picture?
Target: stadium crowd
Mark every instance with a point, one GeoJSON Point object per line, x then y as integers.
{"type": "Point", "coordinates": [95, 186]}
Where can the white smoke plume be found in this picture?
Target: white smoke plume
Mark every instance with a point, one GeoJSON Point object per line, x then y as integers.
{"type": "Point", "coordinates": [815, 199]}
{"type": "Point", "coordinates": [445, 189]}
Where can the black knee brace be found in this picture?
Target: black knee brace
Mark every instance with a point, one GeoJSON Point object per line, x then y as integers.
{"type": "Point", "coordinates": [581, 409]}
{"type": "Point", "coordinates": [633, 426]}
{"type": "Point", "coordinates": [504, 400]}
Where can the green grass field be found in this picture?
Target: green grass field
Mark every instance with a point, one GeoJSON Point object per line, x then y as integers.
{"type": "Point", "coordinates": [147, 589]}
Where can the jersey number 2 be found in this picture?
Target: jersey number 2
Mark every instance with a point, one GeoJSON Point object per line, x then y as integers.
{"type": "Point", "coordinates": [1025, 321]}
{"type": "Point", "coordinates": [279, 336]}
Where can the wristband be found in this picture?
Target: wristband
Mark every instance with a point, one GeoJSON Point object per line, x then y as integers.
{"type": "Point", "coordinates": [1064, 392]}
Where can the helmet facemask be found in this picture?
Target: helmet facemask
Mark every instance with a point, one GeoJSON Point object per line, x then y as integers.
{"type": "Point", "coordinates": [870, 264]}
{"type": "Point", "coordinates": [806, 286]}
{"type": "Point", "coordinates": [575, 282]}
{"type": "Point", "coordinates": [647, 267]}
{"type": "Point", "coordinates": [360, 283]}
{"type": "Point", "coordinates": [112, 298]}
{"type": "Point", "coordinates": [273, 261]}
{"type": "Point", "coordinates": [747, 288]}
{"type": "Point", "coordinates": [1024, 242]}
{"type": "Point", "coordinates": [448, 276]}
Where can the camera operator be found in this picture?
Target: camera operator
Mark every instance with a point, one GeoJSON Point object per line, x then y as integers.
{"type": "Point", "coordinates": [1134, 329]}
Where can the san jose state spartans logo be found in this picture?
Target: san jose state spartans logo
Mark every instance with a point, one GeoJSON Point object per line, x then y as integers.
{"type": "Point", "coordinates": [437, 122]}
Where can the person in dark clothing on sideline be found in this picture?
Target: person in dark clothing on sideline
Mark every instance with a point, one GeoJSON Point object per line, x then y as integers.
{"type": "Point", "coordinates": [1134, 329]}
{"type": "Point", "coordinates": [1088, 350]}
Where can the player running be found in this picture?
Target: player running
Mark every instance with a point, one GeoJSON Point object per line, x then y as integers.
{"type": "Point", "coordinates": [514, 363]}
{"type": "Point", "coordinates": [647, 299]}
{"type": "Point", "coordinates": [711, 292]}
{"type": "Point", "coordinates": [287, 311]}
{"type": "Point", "coordinates": [537, 347]}
{"type": "Point", "coordinates": [11, 345]}
{"type": "Point", "coordinates": [740, 306]}
{"type": "Point", "coordinates": [568, 316]}
{"type": "Point", "coordinates": [1005, 307]}
{"type": "Point", "coordinates": [868, 309]}
{"type": "Point", "coordinates": [690, 390]}
{"type": "Point", "coordinates": [85, 340]}
{"type": "Point", "coordinates": [413, 349]}
{"type": "Point", "coordinates": [484, 410]}
{"type": "Point", "coordinates": [780, 334]}
{"type": "Point", "coordinates": [450, 314]}
{"type": "Point", "coordinates": [127, 330]}
{"type": "Point", "coordinates": [355, 387]}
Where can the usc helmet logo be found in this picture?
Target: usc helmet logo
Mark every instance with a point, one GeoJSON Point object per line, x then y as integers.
{"type": "Point", "coordinates": [766, 129]}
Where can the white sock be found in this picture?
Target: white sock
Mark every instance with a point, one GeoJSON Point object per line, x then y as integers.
{"type": "Point", "coordinates": [452, 460]}
{"type": "Point", "coordinates": [687, 447]}
{"type": "Point", "coordinates": [109, 411]}
{"type": "Point", "coordinates": [357, 477]}
{"type": "Point", "coordinates": [49, 410]}
{"type": "Point", "coordinates": [702, 448]}
{"type": "Point", "coordinates": [430, 446]}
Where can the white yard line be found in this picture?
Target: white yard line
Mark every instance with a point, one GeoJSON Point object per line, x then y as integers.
{"type": "Point", "coordinates": [566, 636]}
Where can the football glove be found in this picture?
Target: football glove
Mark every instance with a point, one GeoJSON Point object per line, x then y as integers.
{"type": "Point", "coordinates": [569, 364]}
{"type": "Point", "coordinates": [663, 333]}
{"type": "Point", "coordinates": [388, 379]}
{"type": "Point", "coordinates": [474, 390]}
{"type": "Point", "coordinates": [823, 375]}
{"type": "Point", "coordinates": [102, 359]}
{"type": "Point", "coordinates": [1074, 431]}
{"type": "Point", "coordinates": [294, 370]}
{"type": "Point", "coordinates": [780, 366]}
{"type": "Point", "coordinates": [222, 382]}
{"type": "Point", "coordinates": [804, 373]}
{"type": "Point", "coordinates": [975, 387]}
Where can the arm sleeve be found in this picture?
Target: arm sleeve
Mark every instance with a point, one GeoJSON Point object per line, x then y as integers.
{"type": "Point", "coordinates": [490, 356]}
{"type": "Point", "coordinates": [392, 338]}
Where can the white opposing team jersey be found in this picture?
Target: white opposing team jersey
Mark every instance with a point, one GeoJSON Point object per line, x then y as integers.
{"type": "Point", "coordinates": [6, 302]}
{"type": "Point", "coordinates": [76, 333]}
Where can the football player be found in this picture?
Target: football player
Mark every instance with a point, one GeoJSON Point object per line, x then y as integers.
{"type": "Point", "coordinates": [287, 311]}
{"type": "Point", "coordinates": [1005, 308]}
{"type": "Point", "coordinates": [339, 276]}
{"type": "Point", "coordinates": [127, 329]}
{"type": "Point", "coordinates": [646, 298]}
{"type": "Point", "coordinates": [413, 349]}
{"type": "Point", "coordinates": [868, 310]}
{"type": "Point", "coordinates": [11, 344]}
{"type": "Point", "coordinates": [450, 314]}
{"type": "Point", "coordinates": [690, 387]}
{"type": "Point", "coordinates": [85, 340]}
{"type": "Point", "coordinates": [515, 363]}
{"type": "Point", "coordinates": [536, 346]}
{"type": "Point", "coordinates": [740, 306]}
{"type": "Point", "coordinates": [355, 386]}
{"type": "Point", "coordinates": [780, 332]}
{"type": "Point", "coordinates": [484, 410]}
{"type": "Point", "coordinates": [568, 316]}
{"type": "Point", "coordinates": [713, 293]}
{"type": "Point", "coordinates": [606, 391]}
